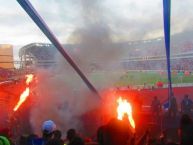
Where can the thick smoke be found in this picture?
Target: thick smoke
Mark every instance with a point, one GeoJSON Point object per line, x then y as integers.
{"type": "Point", "coordinates": [60, 93]}
{"type": "Point", "coordinates": [94, 36]}
{"type": "Point", "coordinates": [64, 99]}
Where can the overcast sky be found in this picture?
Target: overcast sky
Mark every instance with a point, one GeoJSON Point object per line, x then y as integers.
{"type": "Point", "coordinates": [127, 20]}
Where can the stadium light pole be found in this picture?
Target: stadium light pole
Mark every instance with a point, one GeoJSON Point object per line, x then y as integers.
{"type": "Point", "coordinates": [166, 15]}
{"type": "Point", "coordinates": [31, 11]}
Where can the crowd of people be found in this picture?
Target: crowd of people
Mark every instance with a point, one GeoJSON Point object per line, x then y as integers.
{"type": "Point", "coordinates": [149, 55]}
{"type": "Point", "coordinates": [116, 132]}
{"type": "Point", "coordinates": [5, 74]}
{"type": "Point", "coordinates": [186, 106]}
{"type": "Point", "coordinates": [180, 64]}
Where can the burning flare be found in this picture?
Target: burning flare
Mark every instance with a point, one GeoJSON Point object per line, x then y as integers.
{"type": "Point", "coordinates": [124, 107]}
{"type": "Point", "coordinates": [22, 99]}
{"type": "Point", "coordinates": [25, 93]}
{"type": "Point", "coordinates": [29, 78]}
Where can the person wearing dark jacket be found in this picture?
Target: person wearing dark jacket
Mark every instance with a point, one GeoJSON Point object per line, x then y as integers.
{"type": "Point", "coordinates": [117, 132]}
{"type": "Point", "coordinates": [56, 140]}
{"type": "Point", "coordinates": [73, 138]}
{"type": "Point", "coordinates": [173, 108]}
{"type": "Point", "coordinates": [186, 105]}
{"type": "Point", "coordinates": [186, 130]}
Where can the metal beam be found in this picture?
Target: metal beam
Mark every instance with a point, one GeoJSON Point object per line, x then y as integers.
{"type": "Point", "coordinates": [27, 6]}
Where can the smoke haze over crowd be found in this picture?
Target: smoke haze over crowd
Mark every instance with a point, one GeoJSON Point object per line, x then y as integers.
{"type": "Point", "coordinates": [93, 26]}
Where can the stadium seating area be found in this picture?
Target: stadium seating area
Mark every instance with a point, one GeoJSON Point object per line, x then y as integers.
{"type": "Point", "coordinates": [176, 64]}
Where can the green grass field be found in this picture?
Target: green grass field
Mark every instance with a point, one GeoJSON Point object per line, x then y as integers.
{"type": "Point", "coordinates": [138, 78]}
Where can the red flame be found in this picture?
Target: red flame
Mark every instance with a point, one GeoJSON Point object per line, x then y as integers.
{"type": "Point", "coordinates": [29, 78]}
{"type": "Point", "coordinates": [22, 99]}
{"type": "Point", "coordinates": [124, 107]}
{"type": "Point", "coordinates": [25, 93]}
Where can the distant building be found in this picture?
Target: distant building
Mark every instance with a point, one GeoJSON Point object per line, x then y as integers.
{"type": "Point", "coordinates": [37, 54]}
{"type": "Point", "coordinates": [135, 55]}
{"type": "Point", "coordinates": [6, 56]}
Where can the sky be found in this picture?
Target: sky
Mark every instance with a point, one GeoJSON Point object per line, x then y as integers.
{"type": "Point", "coordinates": [127, 20]}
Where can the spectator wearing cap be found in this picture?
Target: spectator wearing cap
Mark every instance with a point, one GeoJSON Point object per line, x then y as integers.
{"type": "Point", "coordinates": [4, 141]}
{"type": "Point", "coordinates": [48, 128]}
{"type": "Point", "coordinates": [6, 133]}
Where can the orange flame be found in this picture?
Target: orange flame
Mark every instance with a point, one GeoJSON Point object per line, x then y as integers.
{"type": "Point", "coordinates": [29, 78]}
{"type": "Point", "coordinates": [124, 107]}
{"type": "Point", "coordinates": [25, 93]}
{"type": "Point", "coordinates": [22, 99]}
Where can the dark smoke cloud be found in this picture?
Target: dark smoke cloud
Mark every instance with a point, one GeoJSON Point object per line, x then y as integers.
{"type": "Point", "coordinates": [61, 95]}
{"type": "Point", "coordinates": [94, 35]}
{"type": "Point", "coordinates": [61, 98]}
